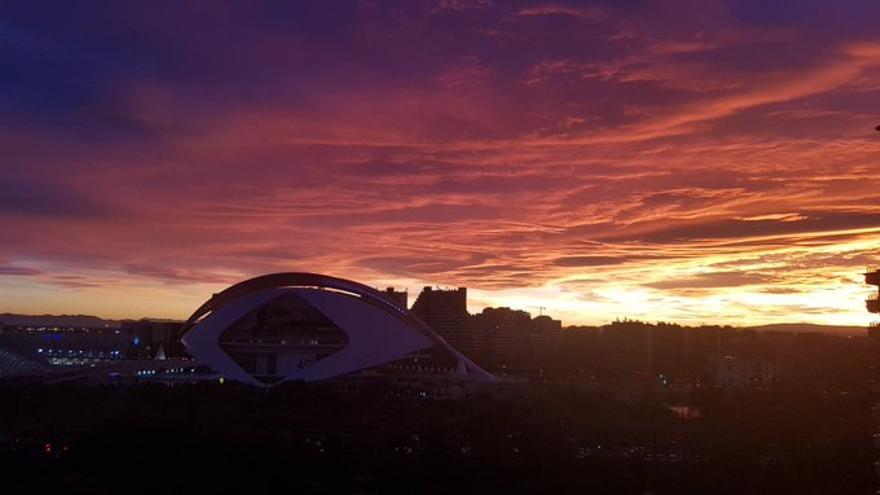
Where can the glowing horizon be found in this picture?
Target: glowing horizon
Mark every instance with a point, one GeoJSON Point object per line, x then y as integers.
{"type": "Point", "coordinates": [696, 162]}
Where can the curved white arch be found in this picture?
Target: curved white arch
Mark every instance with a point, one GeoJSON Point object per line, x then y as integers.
{"type": "Point", "coordinates": [379, 330]}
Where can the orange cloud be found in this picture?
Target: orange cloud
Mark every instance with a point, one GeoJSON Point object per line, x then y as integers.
{"type": "Point", "coordinates": [602, 169]}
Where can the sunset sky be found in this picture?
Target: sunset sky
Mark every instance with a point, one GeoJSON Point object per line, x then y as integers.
{"type": "Point", "coordinates": [693, 161]}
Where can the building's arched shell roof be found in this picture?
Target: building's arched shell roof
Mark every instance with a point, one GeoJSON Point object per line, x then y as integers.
{"type": "Point", "coordinates": [379, 331]}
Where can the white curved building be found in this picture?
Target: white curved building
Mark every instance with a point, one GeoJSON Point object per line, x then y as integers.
{"type": "Point", "coordinates": [304, 326]}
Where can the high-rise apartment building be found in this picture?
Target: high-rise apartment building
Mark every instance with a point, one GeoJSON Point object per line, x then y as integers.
{"type": "Point", "coordinates": [872, 277]}
{"type": "Point", "coordinates": [445, 311]}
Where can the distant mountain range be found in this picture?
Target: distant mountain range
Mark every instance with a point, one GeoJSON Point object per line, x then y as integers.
{"type": "Point", "coordinates": [56, 320]}
{"type": "Point", "coordinates": [87, 321]}
{"type": "Point", "coordinates": [811, 328]}
{"type": "Point", "coordinates": [841, 330]}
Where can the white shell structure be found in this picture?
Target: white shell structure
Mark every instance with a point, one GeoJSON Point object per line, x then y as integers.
{"type": "Point", "coordinates": [366, 330]}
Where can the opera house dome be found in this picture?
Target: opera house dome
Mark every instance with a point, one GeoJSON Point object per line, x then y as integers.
{"type": "Point", "coordinates": [304, 326]}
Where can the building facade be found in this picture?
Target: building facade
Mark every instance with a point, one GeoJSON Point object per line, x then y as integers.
{"type": "Point", "coordinates": [445, 311]}
{"type": "Point", "coordinates": [872, 277]}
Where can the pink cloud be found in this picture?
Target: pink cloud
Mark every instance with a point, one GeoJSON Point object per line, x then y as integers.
{"type": "Point", "coordinates": [560, 156]}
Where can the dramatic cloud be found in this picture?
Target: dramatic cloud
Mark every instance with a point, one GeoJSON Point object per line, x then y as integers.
{"type": "Point", "coordinates": [694, 161]}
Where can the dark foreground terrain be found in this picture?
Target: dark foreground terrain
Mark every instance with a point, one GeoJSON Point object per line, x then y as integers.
{"type": "Point", "coordinates": [213, 438]}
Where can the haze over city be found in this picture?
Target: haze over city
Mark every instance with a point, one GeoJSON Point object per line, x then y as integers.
{"type": "Point", "coordinates": [697, 162]}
